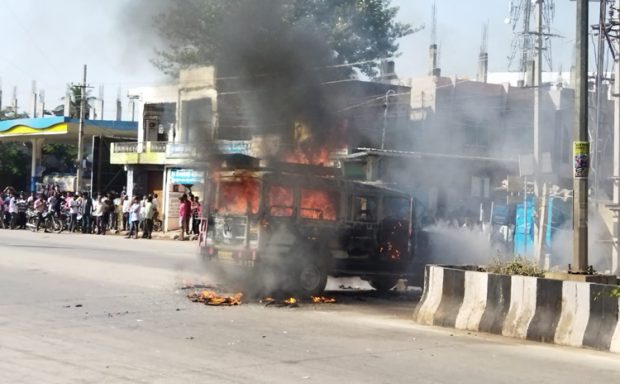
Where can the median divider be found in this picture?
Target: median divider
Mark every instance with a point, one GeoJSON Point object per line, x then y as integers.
{"type": "Point", "coordinates": [579, 314]}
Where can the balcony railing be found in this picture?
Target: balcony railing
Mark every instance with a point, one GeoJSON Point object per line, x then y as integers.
{"type": "Point", "coordinates": [158, 146]}
{"type": "Point", "coordinates": [150, 152]}
{"type": "Point", "coordinates": [125, 147]}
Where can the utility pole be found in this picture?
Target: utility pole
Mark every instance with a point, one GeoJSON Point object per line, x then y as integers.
{"type": "Point", "coordinates": [581, 145]}
{"type": "Point", "coordinates": [540, 233]}
{"type": "Point", "coordinates": [78, 186]}
{"type": "Point", "coordinates": [600, 63]}
{"type": "Point", "coordinates": [615, 252]}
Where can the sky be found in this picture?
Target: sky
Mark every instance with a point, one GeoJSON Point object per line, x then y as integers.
{"type": "Point", "coordinates": [50, 41]}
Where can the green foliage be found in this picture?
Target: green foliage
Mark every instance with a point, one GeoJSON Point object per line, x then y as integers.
{"type": "Point", "coordinates": [518, 266]}
{"type": "Point", "coordinates": [210, 32]}
{"type": "Point", "coordinates": [14, 156]}
{"type": "Point", "coordinates": [64, 153]}
{"type": "Point", "coordinates": [615, 292]}
{"type": "Point", "coordinates": [76, 100]}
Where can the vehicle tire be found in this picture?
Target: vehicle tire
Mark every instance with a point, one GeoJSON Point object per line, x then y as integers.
{"type": "Point", "coordinates": [383, 284]}
{"type": "Point", "coordinates": [312, 277]}
{"type": "Point", "coordinates": [32, 223]}
{"type": "Point", "coordinates": [53, 225]}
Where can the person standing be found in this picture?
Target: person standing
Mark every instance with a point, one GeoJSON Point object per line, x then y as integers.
{"type": "Point", "coordinates": [22, 207]}
{"type": "Point", "coordinates": [148, 218]}
{"type": "Point", "coordinates": [134, 218]}
{"type": "Point", "coordinates": [196, 208]}
{"type": "Point", "coordinates": [118, 213]}
{"type": "Point", "coordinates": [185, 210]}
{"type": "Point", "coordinates": [156, 208]}
{"type": "Point", "coordinates": [103, 207]}
{"type": "Point", "coordinates": [87, 211]}
{"type": "Point", "coordinates": [13, 210]}
{"type": "Point", "coordinates": [74, 209]}
{"type": "Point", "coordinates": [126, 207]}
{"type": "Point", "coordinates": [39, 208]}
{"type": "Point", "coordinates": [97, 212]}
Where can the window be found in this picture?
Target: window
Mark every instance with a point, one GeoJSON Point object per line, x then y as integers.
{"type": "Point", "coordinates": [396, 208]}
{"type": "Point", "coordinates": [364, 208]}
{"type": "Point", "coordinates": [318, 205]}
{"type": "Point", "coordinates": [238, 197]}
{"type": "Point", "coordinates": [280, 201]}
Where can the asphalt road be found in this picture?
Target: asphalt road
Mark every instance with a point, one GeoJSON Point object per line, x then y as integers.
{"type": "Point", "coordinates": [95, 309]}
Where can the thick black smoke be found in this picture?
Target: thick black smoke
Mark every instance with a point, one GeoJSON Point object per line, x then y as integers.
{"type": "Point", "coordinates": [275, 72]}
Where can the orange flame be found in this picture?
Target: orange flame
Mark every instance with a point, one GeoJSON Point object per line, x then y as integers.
{"type": "Point", "coordinates": [317, 157]}
{"type": "Point", "coordinates": [212, 298]}
{"type": "Point", "coordinates": [318, 204]}
{"type": "Point", "coordinates": [239, 196]}
{"type": "Point", "coordinates": [322, 299]}
{"type": "Point", "coordinates": [280, 201]}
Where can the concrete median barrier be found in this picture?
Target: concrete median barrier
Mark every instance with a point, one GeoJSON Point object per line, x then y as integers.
{"type": "Point", "coordinates": [578, 314]}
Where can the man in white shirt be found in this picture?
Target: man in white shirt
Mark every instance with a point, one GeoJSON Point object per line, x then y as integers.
{"type": "Point", "coordinates": [74, 208]}
{"type": "Point", "coordinates": [13, 210]}
{"type": "Point", "coordinates": [126, 206]}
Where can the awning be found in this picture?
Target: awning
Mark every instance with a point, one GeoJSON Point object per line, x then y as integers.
{"type": "Point", "coordinates": [63, 129]}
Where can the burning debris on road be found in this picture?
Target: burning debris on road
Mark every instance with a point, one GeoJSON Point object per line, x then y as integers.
{"type": "Point", "coordinates": [212, 298]}
{"type": "Point", "coordinates": [322, 299]}
{"type": "Point", "coordinates": [291, 302]}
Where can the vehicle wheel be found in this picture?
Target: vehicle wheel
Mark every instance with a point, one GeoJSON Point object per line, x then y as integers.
{"type": "Point", "coordinates": [32, 224]}
{"type": "Point", "coordinates": [383, 284]}
{"type": "Point", "coordinates": [312, 278]}
{"type": "Point", "coordinates": [53, 225]}
{"type": "Point", "coordinates": [57, 226]}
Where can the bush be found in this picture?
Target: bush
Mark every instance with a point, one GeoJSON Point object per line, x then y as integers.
{"type": "Point", "coordinates": [518, 266]}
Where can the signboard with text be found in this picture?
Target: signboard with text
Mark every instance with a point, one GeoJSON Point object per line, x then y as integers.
{"type": "Point", "coordinates": [186, 176]}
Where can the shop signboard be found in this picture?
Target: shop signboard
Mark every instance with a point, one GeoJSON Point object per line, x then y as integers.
{"type": "Point", "coordinates": [186, 176]}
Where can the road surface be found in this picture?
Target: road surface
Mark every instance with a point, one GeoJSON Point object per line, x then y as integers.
{"type": "Point", "coordinates": [104, 309]}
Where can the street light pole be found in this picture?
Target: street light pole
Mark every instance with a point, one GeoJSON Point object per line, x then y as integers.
{"type": "Point", "coordinates": [385, 115]}
{"type": "Point", "coordinates": [581, 145]}
{"type": "Point", "coordinates": [79, 175]}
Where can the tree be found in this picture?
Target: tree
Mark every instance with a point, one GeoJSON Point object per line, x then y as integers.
{"type": "Point", "coordinates": [13, 156]}
{"type": "Point", "coordinates": [75, 103]}
{"type": "Point", "coordinates": [242, 36]}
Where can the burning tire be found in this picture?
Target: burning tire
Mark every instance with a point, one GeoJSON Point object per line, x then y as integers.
{"type": "Point", "coordinates": [383, 284]}
{"type": "Point", "coordinates": [312, 278]}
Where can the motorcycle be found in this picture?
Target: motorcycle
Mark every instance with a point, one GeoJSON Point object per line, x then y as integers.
{"type": "Point", "coordinates": [51, 222]}
{"type": "Point", "coordinates": [31, 220]}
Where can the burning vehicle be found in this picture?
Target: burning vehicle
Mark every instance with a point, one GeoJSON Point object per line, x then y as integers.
{"type": "Point", "coordinates": [286, 227]}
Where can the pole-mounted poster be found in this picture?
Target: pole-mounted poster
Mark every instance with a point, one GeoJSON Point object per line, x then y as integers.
{"type": "Point", "coordinates": [581, 155]}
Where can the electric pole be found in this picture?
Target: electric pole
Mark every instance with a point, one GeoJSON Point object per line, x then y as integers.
{"type": "Point", "coordinates": [581, 145]}
{"type": "Point", "coordinates": [615, 252]}
{"type": "Point", "coordinates": [540, 234]}
{"type": "Point", "coordinates": [600, 63]}
{"type": "Point", "coordinates": [79, 175]}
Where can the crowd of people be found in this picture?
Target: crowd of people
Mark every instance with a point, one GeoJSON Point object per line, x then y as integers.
{"type": "Point", "coordinates": [137, 216]}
